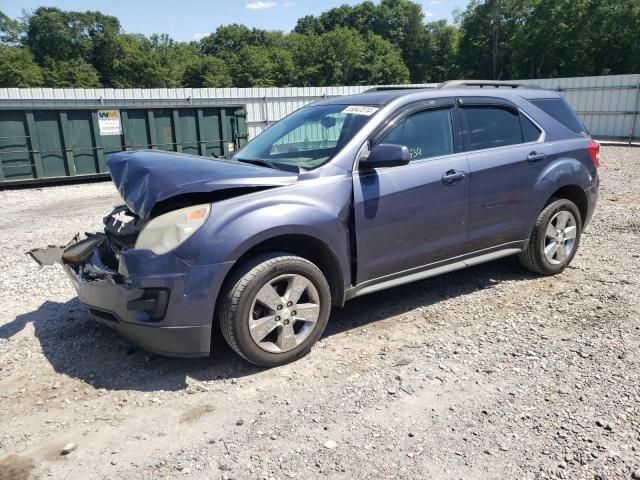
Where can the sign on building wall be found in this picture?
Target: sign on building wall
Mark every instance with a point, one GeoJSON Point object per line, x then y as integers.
{"type": "Point", "coordinates": [109, 122]}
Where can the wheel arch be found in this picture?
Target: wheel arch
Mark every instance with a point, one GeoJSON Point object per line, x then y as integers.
{"type": "Point", "coordinates": [564, 177]}
{"type": "Point", "coordinates": [574, 193]}
{"type": "Point", "coordinates": [302, 245]}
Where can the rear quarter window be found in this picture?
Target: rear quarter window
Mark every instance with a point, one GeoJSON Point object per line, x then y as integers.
{"type": "Point", "coordinates": [529, 130]}
{"type": "Point", "coordinates": [562, 112]}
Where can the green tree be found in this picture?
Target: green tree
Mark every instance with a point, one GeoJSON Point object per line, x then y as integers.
{"type": "Point", "coordinates": [48, 35]}
{"type": "Point", "coordinates": [397, 21]}
{"type": "Point", "coordinates": [543, 45]}
{"type": "Point", "coordinates": [401, 23]}
{"type": "Point", "coordinates": [484, 29]}
{"type": "Point", "coordinates": [174, 56]}
{"type": "Point", "coordinates": [549, 38]}
{"type": "Point", "coordinates": [336, 18]}
{"type": "Point", "coordinates": [348, 58]}
{"type": "Point", "coordinates": [139, 67]}
{"type": "Point", "coordinates": [342, 57]}
{"type": "Point", "coordinates": [11, 31]}
{"type": "Point", "coordinates": [259, 66]}
{"type": "Point", "coordinates": [106, 49]}
{"type": "Point", "coordinates": [306, 52]}
{"type": "Point", "coordinates": [382, 63]}
{"type": "Point", "coordinates": [228, 40]}
{"type": "Point", "coordinates": [586, 37]}
{"type": "Point", "coordinates": [56, 35]}
{"type": "Point", "coordinates": [613, 27]}
{"type": "Point", "coordinates": [362, 17]}
{"type": "Point", "coordinates": [207, 71]}
{"type": "Point", "coordinates": [17, 68]}
{"type": "Point", "coordinates": [441, 53]}
{"type": "Point", "coordinates": [345, 57]}
{"type": "Point", "coordinates": [308, 25]}
{"type": "Point", "coordinates": [74, 73]}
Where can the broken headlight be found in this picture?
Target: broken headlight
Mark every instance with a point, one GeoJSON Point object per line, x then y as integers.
{"type": "Point", "coordinates": [166, 232]}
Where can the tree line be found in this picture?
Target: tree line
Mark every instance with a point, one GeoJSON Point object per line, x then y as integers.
{"type": "Point", "coordinates": [368, 43]}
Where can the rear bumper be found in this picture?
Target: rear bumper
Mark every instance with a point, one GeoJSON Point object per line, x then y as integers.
{"type": "Point", "coordinates": [175, 323]}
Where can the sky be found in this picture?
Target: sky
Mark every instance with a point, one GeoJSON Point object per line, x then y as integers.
{"type": "Point", "coordinates": [192, 19]}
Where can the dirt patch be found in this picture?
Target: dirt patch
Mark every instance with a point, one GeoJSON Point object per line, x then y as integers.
{"type": "Point", "coordinates": [194, 414]}
{"type": "Point", "coordinates": [16, 467]}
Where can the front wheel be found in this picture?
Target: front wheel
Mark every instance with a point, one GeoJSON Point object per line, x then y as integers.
{"type": "Point", "coordinates": [555, 238]}
{"type": "Point", "coordinates": [276, 307]}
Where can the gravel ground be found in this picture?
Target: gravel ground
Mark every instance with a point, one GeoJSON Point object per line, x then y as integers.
{"type": "Point", "coordinates": [487, 373]}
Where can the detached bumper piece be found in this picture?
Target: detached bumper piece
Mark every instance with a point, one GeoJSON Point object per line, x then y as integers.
{"type": "Point", "coordinates": [81, 251]}
{"type": "Point", "coordinates": [138, 307]}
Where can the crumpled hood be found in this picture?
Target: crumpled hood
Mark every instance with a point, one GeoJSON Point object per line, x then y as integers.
{"type": "Point", "coordinates": [147, 177]}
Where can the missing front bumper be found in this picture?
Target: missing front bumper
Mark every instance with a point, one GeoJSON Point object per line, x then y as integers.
{"type": "Point", "coordinates": [130, 310]}
{"type": "Point", "coordinates": [158, 301]}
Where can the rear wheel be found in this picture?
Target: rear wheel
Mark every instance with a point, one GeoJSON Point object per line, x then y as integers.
{"type": "Point", "coordinates": [276, 307]}
{"type": "Point", "coordinates": [555, 238]}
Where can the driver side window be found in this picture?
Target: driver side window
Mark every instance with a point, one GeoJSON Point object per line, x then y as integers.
{"type": "Point", "coordinates": [427, 134]}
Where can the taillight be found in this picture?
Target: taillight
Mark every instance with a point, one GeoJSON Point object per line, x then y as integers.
{"type": "Point", "coordinates": [594, 152]}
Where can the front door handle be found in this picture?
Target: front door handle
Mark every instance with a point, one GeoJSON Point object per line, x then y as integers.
{"type": "Point", "coordinates": [536, 157]}
{"type": "Point", "coordinates": [452, 176]}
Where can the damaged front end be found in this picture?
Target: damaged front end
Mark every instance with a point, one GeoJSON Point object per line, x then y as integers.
{"type": "Point", "coordinates": [140, 294]}
{"type": "Point", "coordinates": [98, 255]}
{"type": "Point", "coordinates": [132, 276]}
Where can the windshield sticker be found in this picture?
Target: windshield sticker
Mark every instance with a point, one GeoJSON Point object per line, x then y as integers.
{"type": "Point", "coordinates": [360, 110]}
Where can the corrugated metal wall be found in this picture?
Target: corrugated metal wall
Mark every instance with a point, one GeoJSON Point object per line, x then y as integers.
{"type": "Point", "coordinates": [606, 103]}
{"type": "Point", "coordinates": [264, 106]}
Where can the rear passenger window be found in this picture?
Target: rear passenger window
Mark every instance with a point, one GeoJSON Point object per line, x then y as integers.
{"type": "Point", "coordinates": [426, 134]}
{"type": "Point", "coordinates": [491, 127]}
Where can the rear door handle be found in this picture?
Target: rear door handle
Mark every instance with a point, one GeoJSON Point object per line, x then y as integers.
{"type": "Point", "coordinates": [452, 176]}
{"type": "Point", "coordinates": [536, 157]}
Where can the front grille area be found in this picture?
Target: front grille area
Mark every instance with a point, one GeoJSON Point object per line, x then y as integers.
{"type": "Point", "coordinates": [122, 228]}
{"type": "Point", "coordinates": [122, 241]}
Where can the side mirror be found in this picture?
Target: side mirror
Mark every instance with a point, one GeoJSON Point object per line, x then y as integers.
{"type": "Point", "coordinates": [386, 155]}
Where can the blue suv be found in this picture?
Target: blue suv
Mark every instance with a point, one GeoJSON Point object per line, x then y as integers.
{"type": "Point", "coordinates": [342, 198]}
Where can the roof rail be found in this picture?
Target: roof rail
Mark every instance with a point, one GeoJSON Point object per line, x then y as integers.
{"type": "Point", "coordinates": [487, 83]}
{"type": "Point", "coordinates": [397, 87]}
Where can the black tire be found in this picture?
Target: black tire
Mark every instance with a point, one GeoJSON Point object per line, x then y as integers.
{"type": "Point", "coordinates": [238, 299]}
{"type": "Point", "coordinates": [533, 257]}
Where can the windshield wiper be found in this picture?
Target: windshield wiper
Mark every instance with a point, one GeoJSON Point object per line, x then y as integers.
{"type": "Point", "coordinates": [256, 161]}
{"type": "Point", "coordinates": [266, 163]}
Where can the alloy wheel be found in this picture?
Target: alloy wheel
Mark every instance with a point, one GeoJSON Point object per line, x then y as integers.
{"type": "Point", "coordinates": [560, 237]}
{"type": "Point", "coordinates": [284, 312]}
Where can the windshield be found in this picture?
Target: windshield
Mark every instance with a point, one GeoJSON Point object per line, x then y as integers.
{"type": "Point", "coordinates": [308, 137]}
